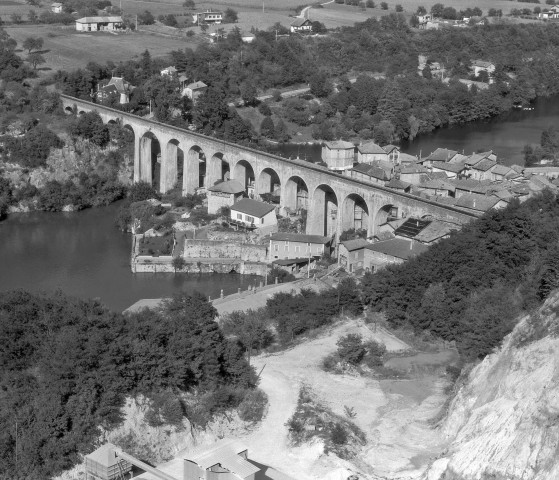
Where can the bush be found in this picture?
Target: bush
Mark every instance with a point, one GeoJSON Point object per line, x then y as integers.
{"type": "Point", "coordinates": [338, 435]}
{"type": "Point", "coordinates": [265, 109]}
{"type": "Point", "coordinates": [351, 349]}
{"type": "Point", "coordinates": [330, 362]}
{"type": "Point", "coordinates": [253, 406]}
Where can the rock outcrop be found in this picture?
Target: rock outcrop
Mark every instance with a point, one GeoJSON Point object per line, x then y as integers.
{"type": "Point", "coordinates": [503, 423]}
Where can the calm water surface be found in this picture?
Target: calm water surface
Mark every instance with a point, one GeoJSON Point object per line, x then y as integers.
{"type": "Point", "coordinates": [83, 254]}
{"type": "Point", "coordinates": [506, 135]}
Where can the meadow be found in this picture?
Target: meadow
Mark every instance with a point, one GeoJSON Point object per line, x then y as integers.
{"type": "Point", "coordinates": [66, 49]}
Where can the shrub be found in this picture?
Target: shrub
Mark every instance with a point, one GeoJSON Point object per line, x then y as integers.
{"type": "Point", "coordinates": [265, 109]}
{"type": "Point", "coordinates": [351, 349]}
{"type": "Point", "coordinates": [330, 362]}
{"type": "Point", "coordinates": [338, 435]}
{"type": "Point", "coordinates": [253, 406]}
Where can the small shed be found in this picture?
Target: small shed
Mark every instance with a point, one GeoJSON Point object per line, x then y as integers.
{"type": "Point", "coordinates": [224, 194]}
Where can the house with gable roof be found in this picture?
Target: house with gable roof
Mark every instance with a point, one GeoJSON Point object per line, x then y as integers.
{"type": "Point", "coordinates": [116, 86]}
{"type": "Point", "coordinates": [301, 25]}
{"type": "Point", "coordinates": [252, 214]}
{"type": "Point", "coordinates": [224, 194]}
{"type": "Point", "coordinates": [338, 155]}
{"type": "Point", "coordinates": [369, 152]}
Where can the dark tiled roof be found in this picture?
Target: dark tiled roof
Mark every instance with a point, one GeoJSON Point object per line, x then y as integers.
{"type": "Point", "coordinates": [442, 155]}
{"type": "Point", "coordinates": [371, 147]}
{"type": "Point", "coordinates": [230, 186]}
{"type": "Point", "coordinates": [398, 247]}
{"type": "Point", "coordinates": [252, 207]}
{"type": "Point", "coordinates": [339, 145]}
{"type": "Point", "coordinates": [290, 261]}
{"type": "Point", "coordinates": [476, 202]}
{"type": "Point", "coordinates": [484, 165]}
{"type": "Point", "coordinates": [414, 169]}
{"type": "Point", "coordinates": [299, 237]}
{"type": "Point", "coordinates": [397, 184]}
{"type": "Point", "coordinates": [356, 244]}
{"type": "Point", "coordinates": [449, 167]}
{"type": "Point", "coordinates": [411, 227]}
{"type": "Point", "coordinates": [299, 22]}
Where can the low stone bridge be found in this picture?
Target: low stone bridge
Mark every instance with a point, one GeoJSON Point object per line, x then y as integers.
{"type": "Point", "coordinates": [165, 156]}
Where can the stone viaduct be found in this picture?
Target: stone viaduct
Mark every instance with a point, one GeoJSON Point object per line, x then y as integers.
{"type": "Point", "coordinates": [165, 155]}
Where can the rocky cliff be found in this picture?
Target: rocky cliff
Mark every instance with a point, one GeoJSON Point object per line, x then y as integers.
{"type": "Point", "coordinates": [503, 423]}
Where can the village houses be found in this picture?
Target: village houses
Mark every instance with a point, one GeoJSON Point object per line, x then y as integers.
{"type": "Point", "coordinates": [117, 87]}
{"type": "Point", "coordinates": [56, 7]}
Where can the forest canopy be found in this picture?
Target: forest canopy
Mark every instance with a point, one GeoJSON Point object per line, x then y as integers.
{"type": "Point", "coordinates": [67, 365]}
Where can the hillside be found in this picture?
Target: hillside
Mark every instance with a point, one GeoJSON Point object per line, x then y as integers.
{"type": "Point", "coordinates": [504, 421]}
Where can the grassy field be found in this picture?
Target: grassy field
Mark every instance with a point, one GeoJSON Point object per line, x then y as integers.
{"type": "Point", "coordinates": [66, 49]}
{"type": "Point", "coordinates": [19, 7]}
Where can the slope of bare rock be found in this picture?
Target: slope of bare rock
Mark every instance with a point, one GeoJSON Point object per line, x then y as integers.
{"type": "Point", "coordinates": [504, 421]}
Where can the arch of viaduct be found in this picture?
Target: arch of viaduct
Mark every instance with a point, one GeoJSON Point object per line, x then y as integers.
{"type": "Point", "coordinates": [334, 202]}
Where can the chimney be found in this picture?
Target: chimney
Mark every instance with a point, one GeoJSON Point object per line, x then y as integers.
{"type": "Point", "coordinates": [411, 244]}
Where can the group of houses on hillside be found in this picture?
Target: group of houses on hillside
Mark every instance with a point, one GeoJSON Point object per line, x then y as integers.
{"type": "Point", "coordinates": [122, 89]}
{"type": "Point", "coordinates": [482, 72]}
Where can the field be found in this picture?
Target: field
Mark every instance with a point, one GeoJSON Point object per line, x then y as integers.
{"type": "Point", "coordinates": [64, 48]}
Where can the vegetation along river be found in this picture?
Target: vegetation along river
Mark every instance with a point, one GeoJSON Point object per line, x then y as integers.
{"type": "Point", "coordinates": [506, 135]}
{"type": "Point", "coordinates": [85, 255]}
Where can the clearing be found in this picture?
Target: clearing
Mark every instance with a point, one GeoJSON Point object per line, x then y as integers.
{"type": "Point", "coordinates": [394, 414]}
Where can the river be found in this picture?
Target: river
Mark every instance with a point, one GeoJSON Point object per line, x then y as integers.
{"type": "Point", "coordinates": [84, 255]}
{"type": "Point", "coordinates": [506, 135]}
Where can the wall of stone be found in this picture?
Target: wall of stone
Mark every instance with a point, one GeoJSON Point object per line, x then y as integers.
{"type": "Point", "coordinates": [202, 249]}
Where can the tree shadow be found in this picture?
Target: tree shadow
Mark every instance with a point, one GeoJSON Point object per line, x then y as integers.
{"type": "Point", "coordinates": [44, 69]}
{"type": "Point", "coordinates": [42, 52]}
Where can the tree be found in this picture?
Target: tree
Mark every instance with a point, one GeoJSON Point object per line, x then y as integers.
{"type": "Point", "coordinates": [282, 135]}
{"type": "Point", "coordinates": [140, 191]}
{"type": "Point", "coordinates": [414, 21]}
{"type": "Point", "coordinates": [230, 16]}
{"type": "Point", "coordinates": [36, 59]}
{"type": "Point", "coordinates": [384, 5]}
{"type": "Point", "coordinates": [370, 4]}
{"type": "Point", "coordinates": [189, 4]}
{"type": "Point", "coordinates": [32, 43]}
{"type": "Point", "coordinates": [421, 10]}
{"type": "Point", "coordinates": [318, 27]}
{"type": "Point", "coordinates": [399, 8]}
{"type": "Point", "coordinates": [249, 92]}
{"type": "Point", "coordinates": [32, 16]}
{"type": "Point", "coordinates": [449, 13]}
{"type": "Point", "coordinates": [91, 127]}
{"type": "Point", "coordinates": [437, 10]}
{"type": "Point", "coordinates": [146, 18]}
{"type": "Point", "coordinates": [210, 111]}
{"type": "Point", "coordinates": [178, 263]}
{"type": "Point", "coordinates": [267, 128]}
{"type": "Point", "coordinates": [16, 18]}
{"type": "Point", "coordinates": [320, 84]}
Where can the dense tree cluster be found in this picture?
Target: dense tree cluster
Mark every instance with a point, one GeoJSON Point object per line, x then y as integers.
{"type": "Point", "coordinates": [548, 149]}
{"type": "Point", "coordinates": [67, 365]}
{"type": "Point", "coordinates": [471, 286]}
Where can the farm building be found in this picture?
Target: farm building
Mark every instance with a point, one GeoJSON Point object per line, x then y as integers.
{"type": "Point", "coordinates": [301, 25]}
{"type": "Point", "coordinates": [94, 24]}
{"type": "Point", "coordinates": [56, 7]}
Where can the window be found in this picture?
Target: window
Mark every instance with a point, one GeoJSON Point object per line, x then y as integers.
{"type": "Point", "coordinates": [239, 216]}
{"type": "Point", "coordinates": [250, 219]}
{"type": "Point", "coordinates": [318, 249]}
{"type": "Point", "coordinates": [276, 248]}
{"type": "Point", "coordinates": [297, 249]}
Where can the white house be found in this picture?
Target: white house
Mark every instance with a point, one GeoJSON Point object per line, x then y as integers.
{"type": "Point", "coordinates": [169, 72]}
{"type": "Point", "coordinates": [248, 37]}
{"type": "Point", "coordinates": [94, 24]}
{"type": "Point", "coordinates": [301, 25]}
{"type": "Point", "coordinates": [209, 16]}
{"type": "Point", "coordinates": [56, 7]}
{"type": "Point", "coordinates": [254, 214]}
